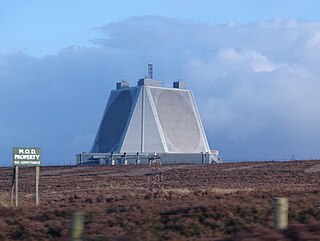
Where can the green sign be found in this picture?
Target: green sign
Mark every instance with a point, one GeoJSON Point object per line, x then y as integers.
{"type": "Point", "coordinates": [23, 156]}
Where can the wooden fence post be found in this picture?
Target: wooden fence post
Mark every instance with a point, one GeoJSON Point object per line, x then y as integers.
{"type": "Point", "coordinates": [77, 226]}
{"type": "Point", "coordinates": [281, 209]}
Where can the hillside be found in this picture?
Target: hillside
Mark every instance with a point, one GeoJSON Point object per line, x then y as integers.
{"type": "Point", "coordinates": [230, 201]}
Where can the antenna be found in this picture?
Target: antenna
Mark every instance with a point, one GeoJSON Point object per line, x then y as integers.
{"type": "Point", "coordinates": [150, 71]}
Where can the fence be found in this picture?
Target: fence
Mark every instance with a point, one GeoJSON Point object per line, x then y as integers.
{"type": "Point", "coordinates": [224, 160]}
{"type": "Point", "coordinates": [280, 215]}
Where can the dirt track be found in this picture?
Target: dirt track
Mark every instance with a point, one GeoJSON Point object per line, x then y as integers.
{"type": "Point", "coordinates": [197, 202]}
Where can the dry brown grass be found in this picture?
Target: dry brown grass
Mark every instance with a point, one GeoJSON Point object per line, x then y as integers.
{"type": "Point", "coordinates": [196, 202]}
{"type": "Point", "coordinates": [315, 168]}
{"type": "Point", "coordinates": [5, 199]}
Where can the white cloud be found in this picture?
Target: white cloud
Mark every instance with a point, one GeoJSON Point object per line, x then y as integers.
{"type": "Point", "coordinates": [256, 85]}
{"type": "Point", "coordinates": [260, 63]}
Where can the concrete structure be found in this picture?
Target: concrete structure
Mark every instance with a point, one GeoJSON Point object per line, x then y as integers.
{"type": "Point", "coordinates": [149, 118]}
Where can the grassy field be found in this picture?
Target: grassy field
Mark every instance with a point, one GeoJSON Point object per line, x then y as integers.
{"type": "Point", "coordinates": [230, 201]}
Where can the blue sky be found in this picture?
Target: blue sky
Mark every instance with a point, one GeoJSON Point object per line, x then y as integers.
{"type": "Point", "coordinates": [44, 27]}
{"type": "Point", "coordinates": [252, 65]}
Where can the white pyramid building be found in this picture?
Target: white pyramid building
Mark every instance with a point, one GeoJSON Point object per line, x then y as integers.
{"type": "Point", "coordinates": [148, 119]}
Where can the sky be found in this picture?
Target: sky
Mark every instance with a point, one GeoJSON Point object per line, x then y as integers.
{"type": "Point", "coordinates": [252, 66]}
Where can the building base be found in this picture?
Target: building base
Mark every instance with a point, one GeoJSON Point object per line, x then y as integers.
{"type": "Point", "coordinates": [87, 158]}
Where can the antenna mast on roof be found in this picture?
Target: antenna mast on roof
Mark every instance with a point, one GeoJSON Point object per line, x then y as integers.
{"type": "Point", "coordinates": [150, 71]}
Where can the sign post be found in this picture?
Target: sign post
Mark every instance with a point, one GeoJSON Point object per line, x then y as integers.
{"type": "Point", "coordinates": [37, 184]}
{"type": "Point", "coordinates": [26, 157]}
{"type": "Point", "coordinates": [16, 178]}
